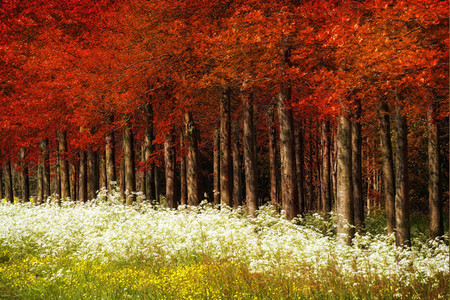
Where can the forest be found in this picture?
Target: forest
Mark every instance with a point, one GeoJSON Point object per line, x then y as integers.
{"type": "Point", "coordinates": [315, 118]}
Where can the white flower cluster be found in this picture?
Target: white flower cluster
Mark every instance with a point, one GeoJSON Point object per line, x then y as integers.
{"type": "Point", "coordinates": [108, 231]}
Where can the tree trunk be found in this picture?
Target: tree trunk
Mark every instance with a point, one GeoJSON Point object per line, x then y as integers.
{"type": "Point", "coordinates": [326, 168]}
{"type": "Point", "coordinates": [122, 179]}
{"type": "Point", "coordinates": [192, 161]}
{"type": "Point", "coordinates": [73, 181]}
{"type": "Point", "coordinates": [216, 167]}
{"type": "Point", "coordinates": [40, 185]}
{"type": "Point", "coordinates": [345, 230]}
{"type": "Point", "coordinates": [183, 183]}
{"type": "Point", "coordinates": [45, 169]}
{"type": "Point", "coordinates": [148, 149]}
{"type": "Point", "coordinates": [388, 166]}
{"type": "Point", "coordinates": [9, 182]}
{"type": "Point", "coordinates": [130, 175]}
{"type": "Point", "coordinates": [64, 165]}
{"type": "Point", "coordinates": [156, 176]}
{"type": "Point", "coordinates": [103, 181]}
{"type": "Point", "coordinates": [249, 153]}
{"type": "Point", "coordinates": [110, 158]}
{"type": "Point", "coordinates": [289, 192]}
{"type": "Point", "coordinates": [91, 174]}
{"type": "Point", "coordinates": [273, 157]}
{"type": "Point", "coordinates": [225, 147]}
{"type": "Point", "coordinates": [169, 159]}
{"type": "Point", "coordinates": [358, 199]}
{"type": "Point", "coordinates": [434, 183]}
{"type": "Point", "coordinates": [58, 175]}
{"type": "Point", "coordinates": [237, 188]}
{"type": "Point", "coordinates": [300, 166]}
{"type": "Point", "coordinates": [311, 170]}
{"type": "Point", "coordinates": [402, 235]}
{"type": "Point", "coordinates": [82, 180]}
{"type": "Point", "coordinates": [24, 177]}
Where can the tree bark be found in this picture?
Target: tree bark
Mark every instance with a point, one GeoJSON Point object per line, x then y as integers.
{"type": "Point", "coordinates": [148, 149]}
{"type": "Point", "coordinates": [64, 165]}
{"type": "Point", "coordinates": [345, 230]}
{"type": "Point", "coordinates": [103, 181]}
{"type": "Point", "coordinates": [358, 200]}
{"type": "Point", "coordinates": [183, 183]}
{"type": "Point", "coordinates": [45, 169]}
{"type": "Point", "coordinates": [300, 166]}
{"type": "Point", "coordinates": [289, 192]}
{"type": "Point", "coordinates": [73, 181]}
{"type": "Point", "coordinates": [122, 178]}
{"type": "Point", "coordinates": [310, 203]}
{"type": "Point", "coordinates": [130, 175]}
{"type": "Point", "coordinates": [58, 175]}
{"type": "Point", "coordinates": [216, 167]}
{"type": "Point", "coordinates": [40, 185]}
{"type": "Point", "coordinates": [434, 182]}
{"type": "Point", "coordinates": [192, 161]}
{"type": "Point", "coordinates": [226, 187]}
{"type": "Point", "coordinates": [326, 168]}
{"type": "Point", "coordinates": [273, 158]}
{"type": "Point", "coordinates": [110, 158]}
{"type": "Point", "coordinates": [402, 233]}
{"type": "Point", "coordinates": [82, 180]}
{"type": "Point", "coordinates": [169, 159]}
{"type": "Point", "coordinates": [156, 176]}
{"type": "Point", "coordinates": [251, 193]}
{"type": "Point", "coordinates": [388, 165]}
{"type": "Point", "coordinates": [9, 182]}
{"type": "Point", "coordinates": [24, 177]}
{"type": "Point", "coordinates": [237, 188]}
{"type": "Point", "coordinates": [91, 174]}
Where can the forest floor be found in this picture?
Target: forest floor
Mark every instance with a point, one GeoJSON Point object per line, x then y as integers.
{"type": "Point", "coordinates": [104, 250]}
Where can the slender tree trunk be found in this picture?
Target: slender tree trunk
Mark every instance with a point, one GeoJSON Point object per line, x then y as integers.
{"type": "Point", "coordinates": [311, 170]}
{"type": "Point", "coordinates": [358, 199]}
{"type": "Point", "coordinates": [273, 157]}
{"type": "Point", "coordinates": [156, 176]}
{"type": "Point", "coordinates": [91, 174]}
{"type": "Point", "coordinates": [64, 165]}
{"type": "Point", "coordinates": [216, 167]}
{"type": "Point", "coordinates": [237, 188]}
{"type": "Point", "coordinates": [249, 153]}
{"type": "Point", "coordinates": [45, 169]}
{"type": "Point", "coordinates": [334, 165]}
{"type": "Point", "coordinates": [40, 185]}
{"type": "Point", "coordinates": [434, 183]}
{"type": "Point", "coordinates": [344, 181]}
{"type": "Point", "coordinates": [192, 161]}
{"type": "Point", "coordinates": [110, 158]}
{"type": "Point", "coordinates": [402, 233]}
{"type": "Point", "coordinates": [24, 178]}
{"type": "Point", "coordinates": [169, 159]}
{"type": "Point", "coordinates": [82, 180]}
{"type": "Point", "coordinates": [289, 192]}
{"type": "Point", "coordinates": [122, 179]}
{"type": "Point", "coordinates": [183, 183]}
{"type": "Point", "coordinates": [9, 182]}
{"type": "Point", "coordinates": [130, 175]}
{"type": "Point", "coordinates": [103, 181]}
{"type": "Point", "coordinates": [318, 168]}
{"type": "Point", "coordinates": [73, 181]}
{"type": "Point", "coordinates": [388, 166]}
{"type": "Point", "coordinates": [300, 166]}
{"type": "Point", "coordinates": [326, 168]}
{"type": "Point", "coordinates": [58, 176]}
{"type": "Point", "coordinates": [226, 187]}
{"type": "Point", "coordinates": [148, 146]}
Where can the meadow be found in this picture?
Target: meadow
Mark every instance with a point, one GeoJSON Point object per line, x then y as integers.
{"type": "Point", "coordinates": [105, 250]}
